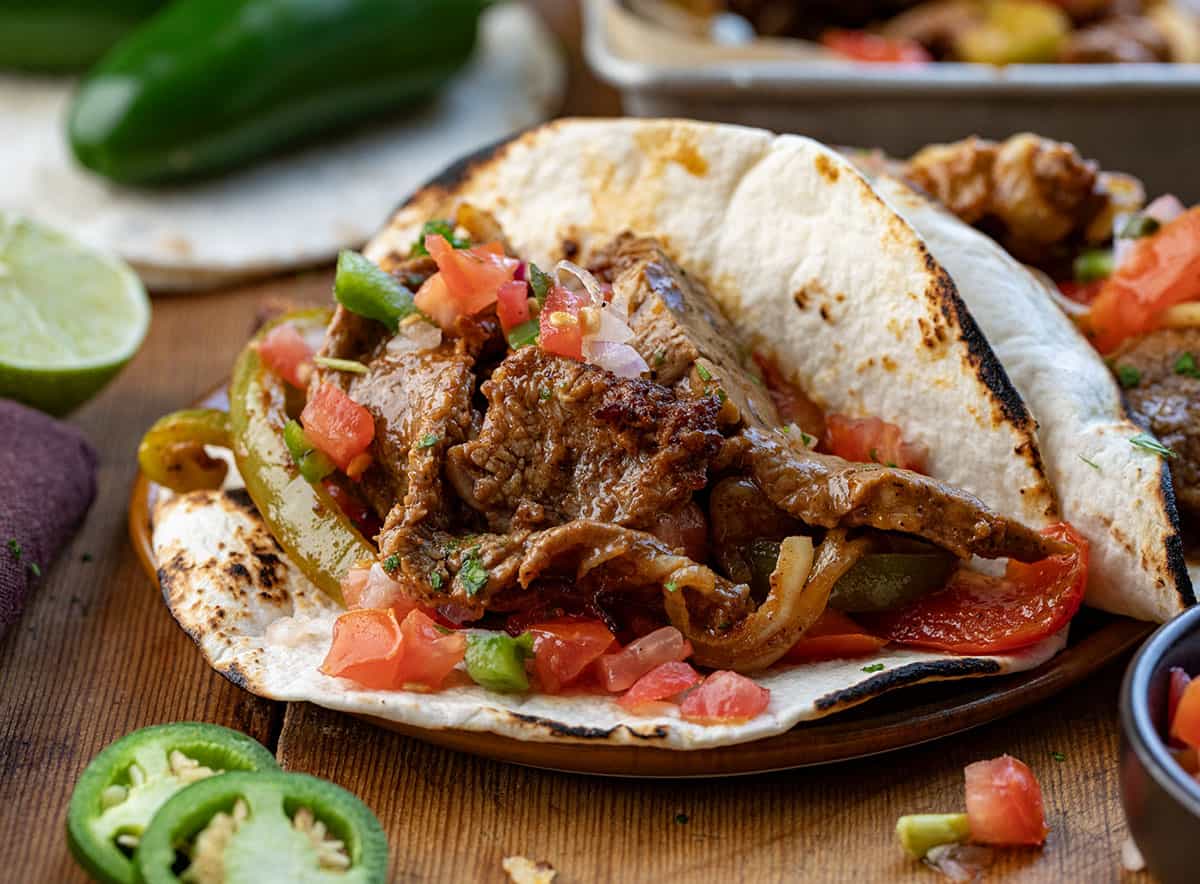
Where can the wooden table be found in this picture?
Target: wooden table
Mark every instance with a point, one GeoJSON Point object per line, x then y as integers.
{"type": "Point", "coordinates": [97, 655]}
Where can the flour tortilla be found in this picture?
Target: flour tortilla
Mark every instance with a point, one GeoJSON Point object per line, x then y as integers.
{"type": "Point", "coordinates": [1120, 497]}
{"type": "Point", "coordinates": [266, 628]}
{"type": "Point", "coordinates": [295, 210]}
{"type": "Point", "coordinates": [809, 263]}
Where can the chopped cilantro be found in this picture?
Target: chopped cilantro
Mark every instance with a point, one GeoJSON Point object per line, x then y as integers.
{"type": "Point", "coordinates": [391, 563]}
{"type": "Point", "coordinates": [1129, 377]}
{"type": "Point", "coordinates": [1091, 463]}
{"type": "Point", "coordinates": [540, 282]}
{"type": "Point", "coordinates": [435, 580]}
{"type": "Point", "coordinates": [705, 374]}
{"type": "Point", "coordinates": [874, 667]}
{"type": "Point", "coordinates": [472, 575]}
{"type": "Point", "coordinates": [660, 356]}
{"type": "Point", "coordinates": [721, 396]}
{"type": "Point", "coordinates": [439, 227]}
{"type": "Point", "coordinates": [35, 569]}
{"type": "Point", "coordinates": [682, 818]}
{"type": "Point", "coordinates": [15, 549]}
{"type": "Point", "coordinates": [874, 455]}
{"type": "Point", "coordinates": [544, 394]}
{"type": "Point", "coordinates": [1058, 756]}
{"type": "Point", "coordinates": [1186, 365]}
{"type": "Point", "coordinates": [809, 441]}
{"type": "Point", "coordinates": [670, 586]}
{"type": "Point", "coordinates": [1149, 443]}
{"type": "Point", "coordinates": [429, 440]}
{"type": "Point", "coordinates": [350, 365]}
{"type": "Point", "coordinates": [1138, 226]}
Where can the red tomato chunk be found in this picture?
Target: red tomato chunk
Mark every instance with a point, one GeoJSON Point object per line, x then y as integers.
{"type": "Point", "coordinates": [565, 648]}
{"type": "Point", "coordinates": [337, 425]}
{"type": "Point", "coordinates": [725, 698]}
{"type": "Point", "coordinates": [661, 683]}
{"type": "Point", "coordinates": [619, 671]}
{"type": "Point", "coordinates": [1004, 803]}
{"type": "Point", "coordinates": [371, 648]}
{"type": "Point", "coordinates": [1185, 723]}
{"type": "Point", "coordinates": [286, 353]}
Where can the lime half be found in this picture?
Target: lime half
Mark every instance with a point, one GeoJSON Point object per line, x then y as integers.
{"type": "Point", "coordinates": [70, 317]}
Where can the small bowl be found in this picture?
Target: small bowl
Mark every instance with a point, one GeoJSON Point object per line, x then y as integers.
{"type": "Point", "coordinates": [1162, 803]}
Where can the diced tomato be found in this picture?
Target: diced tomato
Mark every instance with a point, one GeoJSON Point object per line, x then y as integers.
{"type": "Point", "coordinates": [337, 424]}
{"type": "Point", "coordinates": [1004, 803]}
{"type": "Point", "coordinates": [1160, 271]}
{"type": "Point", "coordinates": [618, 672]}
{"type": "Point", "coordinates": [871, 440]}
{"type": "Point", "coordinates": [512, 304]}
{"type": "Point", "coordinates": [1185, 723]}
{"type": "Point", "coordinates": [356, 510]}
{"type": "Point", "coordinates": [980, 614]}
{"type": "Point", "coordinates": [725, 698]}
{"type": "Point", "coordinates": [661, 683]}
{"type": "Point", "coordinates": [833, 637]}
{"type": "Point", "coordinates": [560, 331]}
{"type": "Point", "coordinates": [868, 47]}
{"type": "Point", "coordinates": [1081, 292]}
{"type": "Point", "coordinates": [684, 529]}
{"type": "Point", "coordinates": [371, 648]}
{"type": "Point", "coordinates": [287, 354]}
{"type": "Point", "coordinates": [564, 648]}
{"type": "Point", "coordinates": [433, 299]}
{"type": "Point", "coordinates": [1179, 680]}
{"type": "Point", "coordinates": [430, 651]}
{"type": "Point", "coordinates": [473, 276]}
{"type": "Point", "coordinates": [366, 648]}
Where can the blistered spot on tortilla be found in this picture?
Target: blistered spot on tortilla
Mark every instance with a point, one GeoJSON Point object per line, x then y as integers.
{"type": "Point", "coordinates": [237, 571]}
{"type": "Point", "coordinates": [1176, 561]}
{"type": "Point", "coordinates": [671, 145]}
{"type": "Point", "coordinates": [580, 732]}
{"type": "Point", "coordinates": [177, 246]}
{"type": "Point", "coordinates": [824, 311]}
{"type": "Point", "coordinates": [801, 299]}
{"type": "Point", "coordinates": [570, 248]}
{"type": "Point", "coordinates": [902, 676]}
{"type": "Point", "coordinates": [826, 169]}
{"type": "Point", "coordinates": [888, 363]}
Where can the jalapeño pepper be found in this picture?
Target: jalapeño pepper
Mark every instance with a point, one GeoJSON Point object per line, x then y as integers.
{"type": "Point", "coordinates": [306, 521]}
{"type": "Point", "coordinates": [211, 84]}
{"type": "Point", "coordinates": [125, 785]}
{"type": "Point", "coordinates": [261, 829]}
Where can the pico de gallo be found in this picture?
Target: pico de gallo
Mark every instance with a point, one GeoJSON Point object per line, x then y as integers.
{"type": "Point", "coordinates": [387, 501]}
{"type": "Point", "coordinates": [1183, 720]}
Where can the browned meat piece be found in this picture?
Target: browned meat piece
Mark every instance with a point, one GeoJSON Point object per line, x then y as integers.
{"type": "Point", "coordinates": [682, 333]}
{"type": "Point", "coordinates": [828, 492]}
{"type": "Point", "coordinates": [421, 403]}
{"type": "Point", "coordinates": [809, 18]}
{"type": "Point", "coordinates": [1124, 39]}
{"type": "Point", "coordinates": [1166, 400]}
{"type": "Point", "coordinates": [1031, 192]}
{"type": "Point", "coordinates": [740, 516]}
{"type": "Point", "coordinates": [935, 25]}
{"type": "Point", "coordinates": [562, 440]}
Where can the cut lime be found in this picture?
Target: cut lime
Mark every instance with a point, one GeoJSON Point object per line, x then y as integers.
{"type": "Point", "coordinates": [71, 317]}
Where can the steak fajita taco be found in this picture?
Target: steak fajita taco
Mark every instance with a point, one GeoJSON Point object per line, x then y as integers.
{"type": "Point", "coordinates": [648, 431]}
{"type": "Point", "coordinates": [1105, 358]}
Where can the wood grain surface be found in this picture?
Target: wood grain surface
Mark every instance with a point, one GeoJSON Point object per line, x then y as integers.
{"type": "Point", "coordinates": [97, 655]}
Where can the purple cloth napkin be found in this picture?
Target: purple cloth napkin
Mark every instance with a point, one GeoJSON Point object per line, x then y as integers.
{"type": "Point", "coordinates": [47, 483]}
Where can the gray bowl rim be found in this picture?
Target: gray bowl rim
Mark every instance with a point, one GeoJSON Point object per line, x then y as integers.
{"type": "Point", "coordinates": [1147, 743]}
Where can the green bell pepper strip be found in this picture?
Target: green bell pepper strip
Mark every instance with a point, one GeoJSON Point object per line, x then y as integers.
{"type": "Point", "coordinates": [885, 581]}
{"type": "Point", "coordinates": [363, 288]}
{"type": "Point", "coordinates": [269, 845]}
{"type": "Point", "coordinates": [317, 536]}
{"type": "Point", "coordinates": [208, 85]}
{"type": "Point", "coordinates": [172, 451]}
{"type": "Point", "coordinates": [497, 661]}
{"type": "Point", "coordinates": [123, 787]}
{"type": "Point", "coordinates": [60, 36]}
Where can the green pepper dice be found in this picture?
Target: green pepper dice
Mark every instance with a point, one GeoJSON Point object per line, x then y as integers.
{"type": "Point", "coordinates": [208, 85]}
{"type": "Point", "coordinates": [65, 35]}
{"type": "Point", "coordinates": [123, 787]}
{"type": "Point", "coordinates": [262, 829]}
{"type": "Point", "coordinates": [365, 289]}
{"type": "Point", "coordinates": [306, 521]}
{"type": "Point", "coordinates": [314, 464]}
{"type": "Point", "coordinates": [497, 661]}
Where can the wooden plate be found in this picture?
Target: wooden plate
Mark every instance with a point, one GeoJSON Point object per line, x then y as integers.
{"type": "Point", "coordinates": [903, 718]}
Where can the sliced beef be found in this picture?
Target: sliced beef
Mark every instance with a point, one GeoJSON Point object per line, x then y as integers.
{"type": "Point", "coordinates": [680, 331]}
{"type": "Point", "coordinates": [1166, 400]}
{"type": "Point", "coordinates": [828, 492]}
{"type": "Point", "coordinates": [562, 440]}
